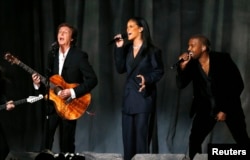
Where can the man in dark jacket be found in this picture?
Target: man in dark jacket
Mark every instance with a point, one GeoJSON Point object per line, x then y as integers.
{"type": "Point", "coordinates": [4, 148]}
{"type": "Point", "coordinates": [217, 85]}
{"type": "Point", "coordinates": [68, 64]}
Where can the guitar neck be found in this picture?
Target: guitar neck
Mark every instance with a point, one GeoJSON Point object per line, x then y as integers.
{"type": "Point", "coordinates": [31, 71]}
{"type": "Point", "coordinates": [18, 102]}
{"type": "Point", "coordinates": [21, 101]}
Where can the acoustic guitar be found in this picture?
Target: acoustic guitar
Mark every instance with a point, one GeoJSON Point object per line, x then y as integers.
{"type": "Point", "coordinates": [30, 99]}
{"type": "Point", "coordinates": [70, 109]}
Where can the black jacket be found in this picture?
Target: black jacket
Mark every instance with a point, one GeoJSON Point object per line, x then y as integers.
{"type": "Point", "coordinates": [226, 84]}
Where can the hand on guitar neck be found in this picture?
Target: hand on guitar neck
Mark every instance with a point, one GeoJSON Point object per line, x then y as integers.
{"type": "Point", "coordinates": [36, 79]}
{"type": "Point", "coordinates": [10, 105]}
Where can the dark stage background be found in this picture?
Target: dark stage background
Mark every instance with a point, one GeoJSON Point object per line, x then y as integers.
{"type": "Point", "coordinates": [28, 28]}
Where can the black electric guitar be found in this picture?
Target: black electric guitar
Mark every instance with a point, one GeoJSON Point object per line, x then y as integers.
{"type": "Point", "coordinates": [66, 108]}
{"type": "Point", "coordinates": [30, 99]}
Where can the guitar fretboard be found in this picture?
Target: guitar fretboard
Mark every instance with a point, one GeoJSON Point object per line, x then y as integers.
{"type": "Point", "coordinates": [21, 101]}
{"type": "Point", "coordinates": [31, 71]}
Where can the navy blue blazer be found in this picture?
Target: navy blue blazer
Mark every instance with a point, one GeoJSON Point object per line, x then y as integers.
{"type": "Point", "coordinates": [148, 63]}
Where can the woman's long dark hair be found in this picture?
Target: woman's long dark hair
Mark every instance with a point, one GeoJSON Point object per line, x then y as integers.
{"type": "Point", "coordinates": [146, 37]}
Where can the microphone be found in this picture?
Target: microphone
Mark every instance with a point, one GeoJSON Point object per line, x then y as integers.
{"type": "Point", "coordinates": [177, 63]}
{"type": "Point", "coordinates": [180, 61]}
{"type": "Point", "coordinates": [123, 36]}
{"type": "Point", "coordinates": [54, 45]}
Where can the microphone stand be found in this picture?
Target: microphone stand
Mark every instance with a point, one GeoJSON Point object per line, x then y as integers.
{"type": "Point", "coordinates": [50, 58]}
{"type": "Point", "coordinates": [47, 87]}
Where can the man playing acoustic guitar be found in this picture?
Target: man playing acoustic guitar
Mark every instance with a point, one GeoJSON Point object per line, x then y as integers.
{"type": "Point", "coordinates": [67, 64]}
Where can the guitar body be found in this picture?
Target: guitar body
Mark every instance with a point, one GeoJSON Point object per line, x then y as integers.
{"type": "Point", "coordinates": [68, 109]}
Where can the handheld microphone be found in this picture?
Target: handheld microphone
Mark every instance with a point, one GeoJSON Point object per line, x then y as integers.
{"type": "Point", "coordinates": [177, 63]}
{"type": "Point", "coordinates": [123, 36]}
{"type": "Point", "coordinates": [180, 61]}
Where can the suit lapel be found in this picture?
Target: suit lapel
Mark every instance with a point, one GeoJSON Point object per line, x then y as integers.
{"type": "Point", "coordinates": [67, 61]}
{"type": "Point", "coordinates": [137, 59]}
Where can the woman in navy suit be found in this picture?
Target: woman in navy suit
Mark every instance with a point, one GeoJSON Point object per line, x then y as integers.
{"type": "Point", "coordinates": [142, 62]}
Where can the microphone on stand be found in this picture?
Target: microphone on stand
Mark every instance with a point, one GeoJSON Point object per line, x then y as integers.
{"type": "Point", "coordinates": [123, 36]}
{"type": "Point", "coordinates": [54, 45]}
{"type": "Point", "coordinates": [53, 48]}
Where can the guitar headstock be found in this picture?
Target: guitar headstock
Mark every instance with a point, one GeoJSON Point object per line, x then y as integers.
{"type": "Point", "coordinates": [32, 99]}
{"type": "Point", "coordinates": [10, 58]}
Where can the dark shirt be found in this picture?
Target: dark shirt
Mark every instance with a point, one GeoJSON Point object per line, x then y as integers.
{"type": "Point", "coordinates": [205, 92]}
